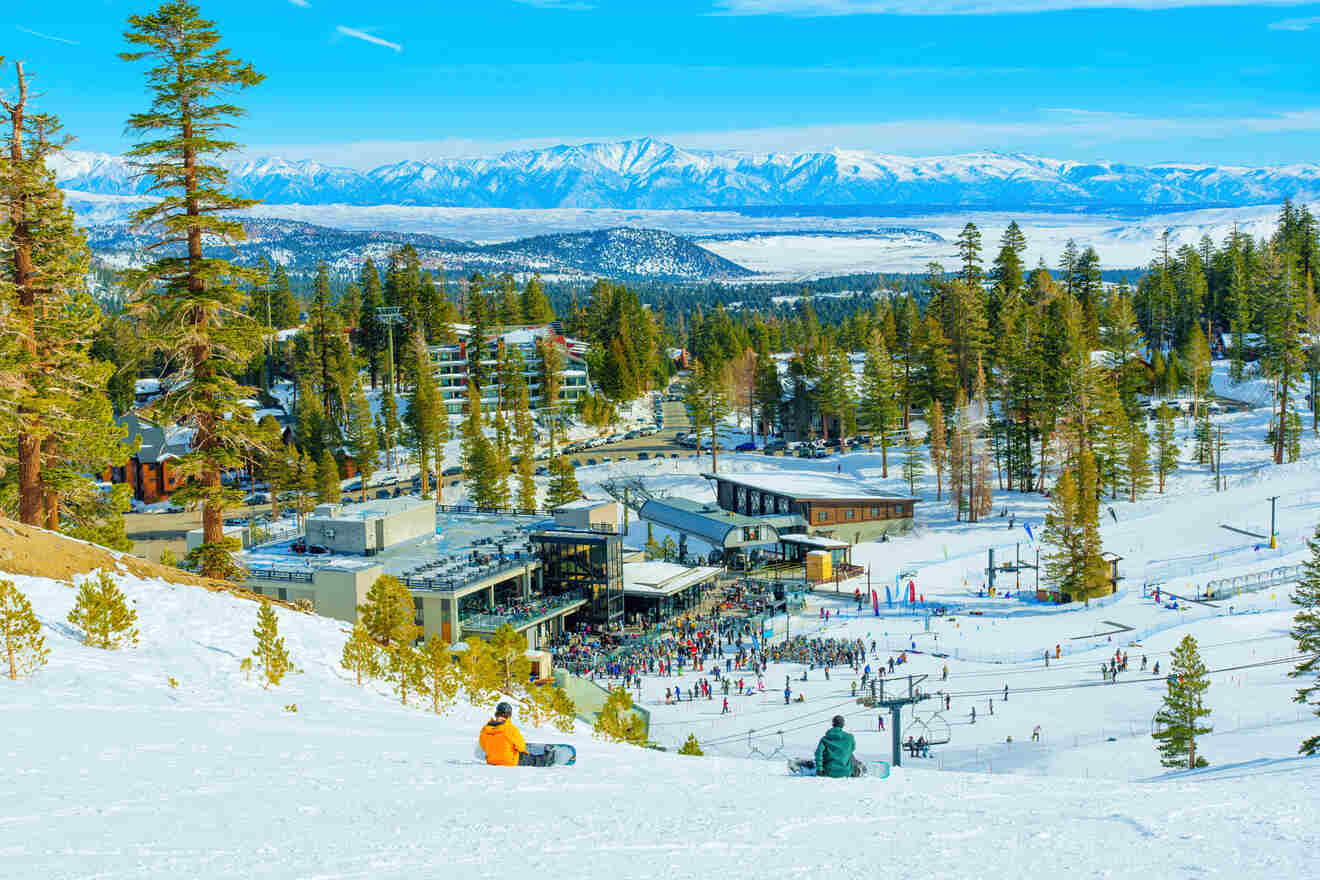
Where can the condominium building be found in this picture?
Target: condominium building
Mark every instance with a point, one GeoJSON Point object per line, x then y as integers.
{"type": "Point", "coordinates": [451, 362]}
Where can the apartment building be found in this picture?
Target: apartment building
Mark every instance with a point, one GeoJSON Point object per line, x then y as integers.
{"type": "Point", "coordinates": [451, 362]}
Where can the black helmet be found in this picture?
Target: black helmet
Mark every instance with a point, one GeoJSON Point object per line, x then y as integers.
{"type": "Point", "coordinates": [838, 721]}
{"type": "Point", "coordinates": [503, 710]}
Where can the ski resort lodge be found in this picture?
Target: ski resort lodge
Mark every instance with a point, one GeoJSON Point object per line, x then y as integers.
{"type": "Point", "coordinates": [830, 506]}
{"type": "Point", "coordinates": [471, 572]}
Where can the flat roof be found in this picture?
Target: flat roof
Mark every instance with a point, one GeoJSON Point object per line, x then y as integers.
{"type": "Point", "coordinates": [586, 503]}
{"type": "Point", "coordinates": [814, 541]}
{"type": "Point", "coordinates": [658, 579]}
{"type": "Point", "coordinates": [807, 486]}
{"type": "Point", "coordinates": [445, 555]}
{"type": "Point", "coordinates": [377, 508]}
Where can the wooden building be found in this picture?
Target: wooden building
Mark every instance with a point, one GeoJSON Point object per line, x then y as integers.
{"type": "Point", "coordinates": [832, 506]}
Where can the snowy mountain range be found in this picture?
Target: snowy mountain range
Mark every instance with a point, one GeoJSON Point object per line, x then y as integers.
{"type": "Point", "coordinates": [652, 174]}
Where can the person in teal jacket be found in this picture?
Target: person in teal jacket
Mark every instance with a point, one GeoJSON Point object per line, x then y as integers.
{"type": "Point", "coordinates": [834, 753]}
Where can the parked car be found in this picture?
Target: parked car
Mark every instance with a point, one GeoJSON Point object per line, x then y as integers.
{"type": "Point", "coordinates": [605, 459]}
{"type": "Point", "coordinates": [451, 472]}
{"type": "Point", "coordinates": [643, 456]}
{"type": "Point", "coordinates": [820, 452]}
{"type": "Point", "coordinates": [542, 471]}
{"type": "Point", "coordinates": [749, 446]}
{"type": "Point", "coordinates": [317, 548]}
{"type": "Point", "coordinates": [382, 493]}
{"type": "Point", "coordinates": [591, 462]}
{"type": "Point", "coordinates": [258, 498]}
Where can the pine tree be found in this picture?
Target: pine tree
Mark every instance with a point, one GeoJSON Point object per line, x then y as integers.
{"type": "Point", "coordinates": [439, 674]}
{"type": "Point", "coordinates": [193, 301]}
{"type": "Point", "coordinates": [361, 655]}
{"type": "Point", "coordinates": [304, 487]}
{"type": "Point", "coordinates": [102, 613]}
{"type": "Point", "coordinates": [389, 420]}
{"type": "Point", "coordinates": [1166, 449]}
{"type": "Point", "coordinates": [1092, 571]}
{"type": "Point", "coordinates": [1306, 633]}
{"type": "Point", "coordinates": [271, 655]}
{"type": "Point", "coordinates": [525, 433]}
{"type": "Point", "coordinates": [327, 478]}
{"type": "Point", "coordinates": [545, 702]}
{"type": "Point", "coordinates": [23, 644]}
{"type": "Point", "coordinates": [1063, 534]}
{"type": "Point", "coordinates": [1178, 723]}
{"type": "Point", "coordinates": [361, 436]}
{"type": "Point", "coordinates": [552, 379]}
{"type": "Point", "coordinates": [706, 398]}
{"type": "Point", "coordinates": [878, 408]}
{"type": "Point", "coordinates": [691, 746]}
{"type": "Point", "coordinates": [56, 421]}
{"type": "Point", "coordinates": [406, 670]}
{"type": "Point", "coordinates": [1111, 436]}
{"type": "Point", "coordinates": [939, 449]}
{"type": "Point", "coordinates": [563, 487]}
{"type": "Point", "coordinates": [508, 650]}
{"type": "Point", "coordinates": [388, 615]}
{"type": "Point", "coordinates": [969, 254]}
{"type": "Point", "coordinates": [616, 721]}
{"type": "Point", "coordinates": [1138, 463]}
{"type": "Point", "coordinates": [913, 465]}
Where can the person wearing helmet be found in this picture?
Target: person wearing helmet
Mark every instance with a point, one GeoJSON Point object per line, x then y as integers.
{"type": "Point", "coordinates": [834, 753]}
{"type": "Point", "coordinates": [504, 745]}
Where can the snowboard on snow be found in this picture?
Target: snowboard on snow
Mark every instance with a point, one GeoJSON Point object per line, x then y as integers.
{"type": "Point", "coordinates": [561, 754]}
{"type": "Point", "coordinates": [879, 769]}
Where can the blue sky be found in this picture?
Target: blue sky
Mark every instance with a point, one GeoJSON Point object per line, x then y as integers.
{"type": "Point", "coordinates": [366, 83]}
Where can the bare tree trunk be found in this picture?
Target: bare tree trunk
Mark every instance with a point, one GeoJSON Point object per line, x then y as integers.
{"type": "Point", "coordinates": [30, 495]}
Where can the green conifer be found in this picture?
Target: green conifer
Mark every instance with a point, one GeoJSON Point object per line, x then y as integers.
{"type": "Point", "coordinates": [271, 655]}
{"type": "Point", "coordinates": [361, 654]}
{"type": "Point", "coordinates": [1178, 723]}
{"type": "Point", "coordinates": [21, 640]}
{"type": "Point", "coordinates": [691, 746]}
{"type": "Point", "coordinates": [1306, 633]}
{"type": "Point", "coordinates": [102, 613]}
{"type": "Point", "coordinates": [616, 722]}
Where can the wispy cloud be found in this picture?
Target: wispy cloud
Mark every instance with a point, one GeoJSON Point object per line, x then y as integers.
{"type": "Point", "coordinates": [1295, 24]}
{"type": "Point", "coordinates": [48, 36]}
{"type": "Point", "coordinates": [574, 5]}
{"type": "Point", "coordinates": [370, 38]}
{"type": "Point", "coordinates": [303, 3]}
{"type": "Point", "coordinates": [821, 8]}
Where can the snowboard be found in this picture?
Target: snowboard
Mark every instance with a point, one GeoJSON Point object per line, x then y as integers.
{"type": "Point", "coordinates": [879, 769]}
{"type": "Point", "coordinates": [561, 754]}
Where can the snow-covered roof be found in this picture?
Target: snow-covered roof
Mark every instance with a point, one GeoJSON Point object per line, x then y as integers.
{"type": "Point", "coordinates": [807, 486]}
{"type": "Point", "coordinates": [814, 541]}
{"type": "Point", "coordinates": [585, 504]}
{"type": "Point", "coordinates": [663, 578]}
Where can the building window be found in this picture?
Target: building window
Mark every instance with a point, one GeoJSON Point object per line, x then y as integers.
{"type": "Point", "coordinates": [849, 513]}
{"type": "Point", "coordinates": [820, 516]}
{"type": "Point", "coordinates": [875, 513]}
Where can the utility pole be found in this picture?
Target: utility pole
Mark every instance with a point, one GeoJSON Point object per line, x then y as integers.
{"type": "Point", "coordinates": [1219, 460]}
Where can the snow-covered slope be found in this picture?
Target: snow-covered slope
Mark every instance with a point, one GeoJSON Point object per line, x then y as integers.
{"type": "Point", "coordinates": [110, 771]}
{"type": "Point", "coordinates": [647, 173]}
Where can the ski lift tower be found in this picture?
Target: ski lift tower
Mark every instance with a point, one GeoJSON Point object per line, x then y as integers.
{"type": "Point", "coordinates": [389, 316]}
{"type": "Point", "coordinates": [895, 706]}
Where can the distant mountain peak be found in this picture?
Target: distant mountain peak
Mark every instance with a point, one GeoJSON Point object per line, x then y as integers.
{"type": "Point", "coordinates": [650, 173]}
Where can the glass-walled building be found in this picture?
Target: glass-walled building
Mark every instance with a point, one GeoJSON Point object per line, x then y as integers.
{"type": "Point", "coordinates": [589, 562]}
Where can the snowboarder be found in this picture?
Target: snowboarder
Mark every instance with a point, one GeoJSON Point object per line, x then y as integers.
{"type": "Point", "coordinates": [788, 693]}
{"type": "Point", "coordinates": [504, 745]}
{"type": "Point", "coordinates": [1035, 733]}
{"type": "Point", "coordinates": [834, 753]}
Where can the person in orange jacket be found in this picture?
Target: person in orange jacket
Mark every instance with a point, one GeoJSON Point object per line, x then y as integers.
{"type": "Point", "coordinates": [504, 744]}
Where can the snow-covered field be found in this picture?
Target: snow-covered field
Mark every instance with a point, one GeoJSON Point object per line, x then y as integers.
{"type": "Point", "coordinates": [1121, 241]}
{"type": "Point", "coordinates": [110, 771]}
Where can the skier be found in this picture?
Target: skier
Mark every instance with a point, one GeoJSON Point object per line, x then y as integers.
{"type": "Point", "coordinates": [725, 710]}
{"type": "Point", "coordinates": [788, 693]}
{"type": "Point", "coordinates": [1005, 693]}
{"type": "Point", "coordinates": [504, 745]}
{"type": "Point", "coordinates": [973, 714]}
{"type": "Point", "coordinates": [944, 675]}
{"type": "Point", "coordinates": [880, 721]}
{"type": "Point", "coordinates": [992, 705]}
{"type": "Point", "coordinates": [1035, 733]}
{"type": "Point", "coordinates": [947, 700]}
